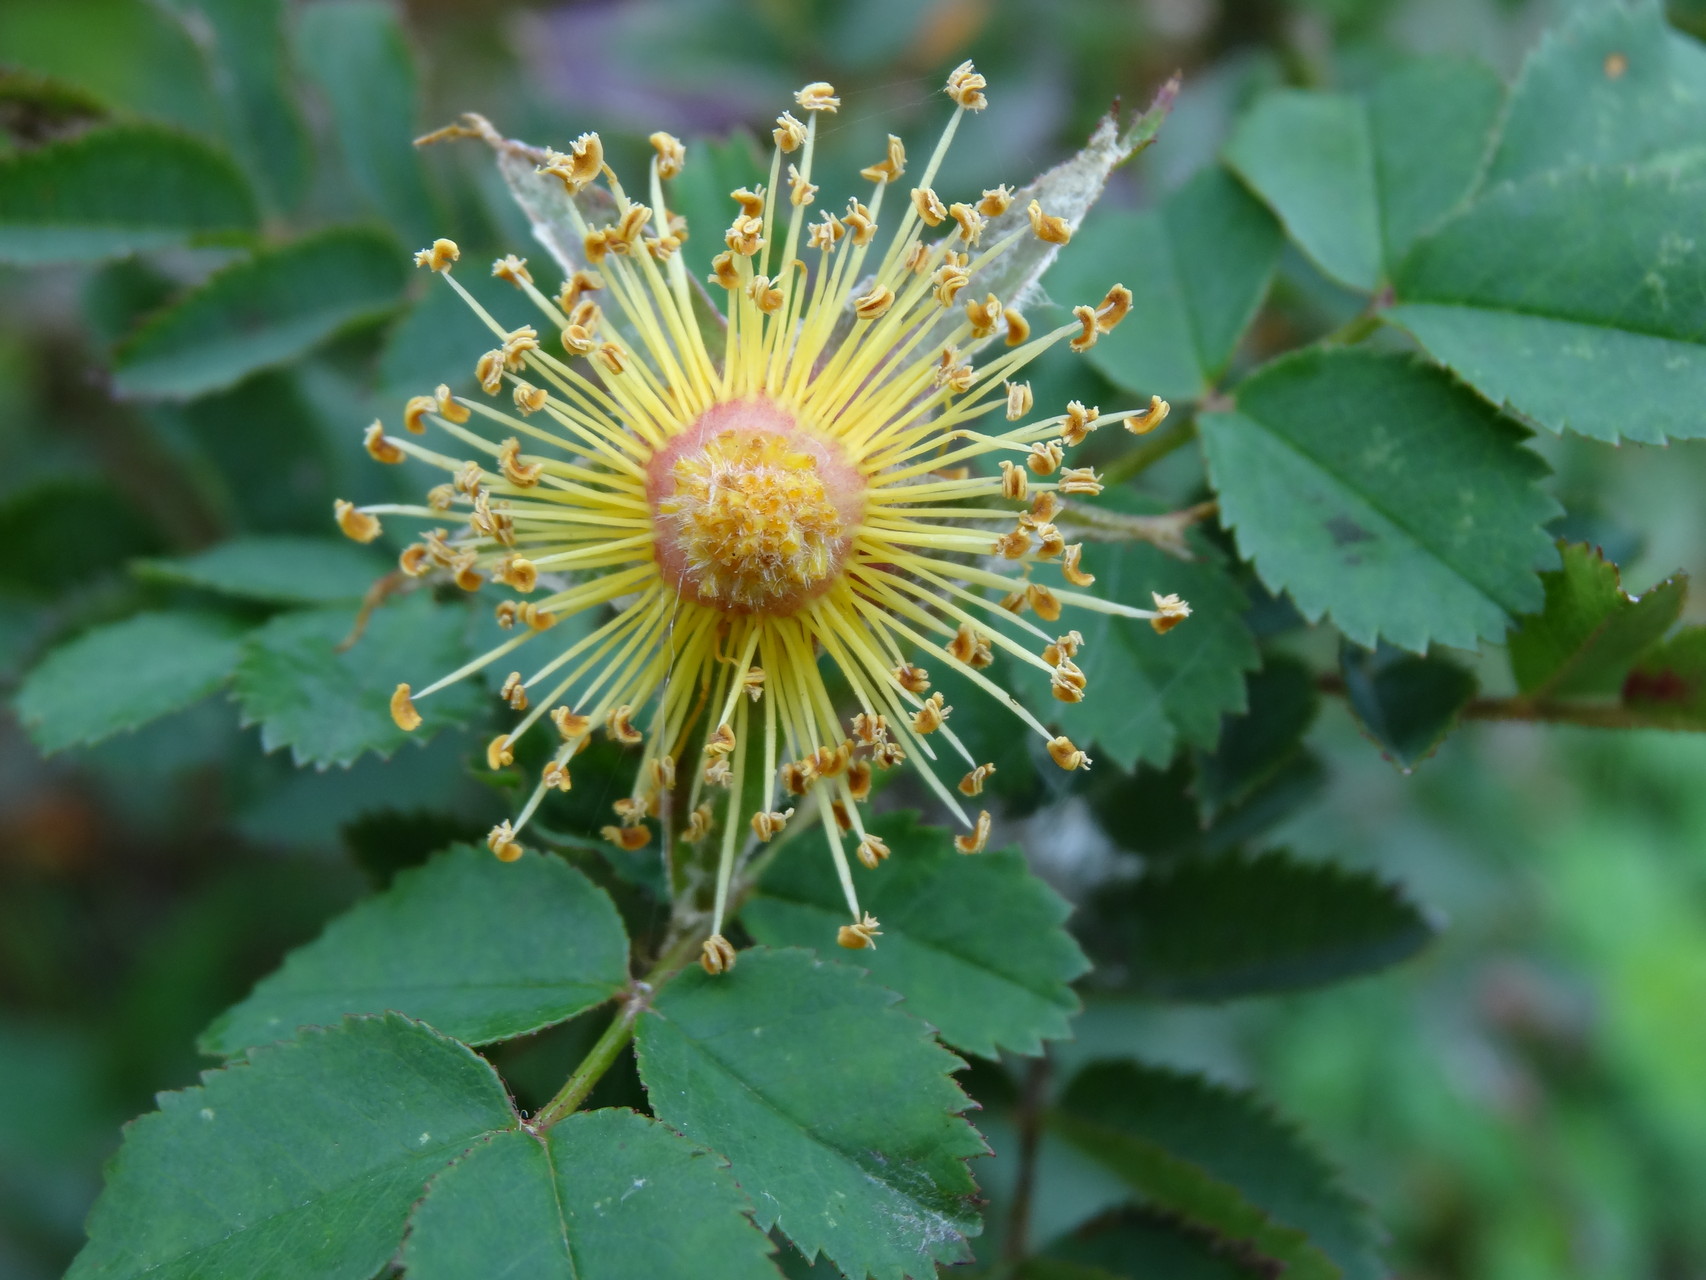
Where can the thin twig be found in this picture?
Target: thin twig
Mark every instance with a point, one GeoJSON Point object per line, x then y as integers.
{"type": "Point", "coordinates": [1030, 1131]}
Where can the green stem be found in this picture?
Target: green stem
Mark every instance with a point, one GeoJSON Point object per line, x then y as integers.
{"type": "Point", "coordinates": [1353, 331]}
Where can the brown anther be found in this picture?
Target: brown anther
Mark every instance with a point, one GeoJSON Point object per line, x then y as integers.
{"type": "Point", "coordinates": [1014, 484]}
{"type": "Point", "coordinates": [1087, 339]}
{"type": "Point", "coordinates": [868, 306]}
{"type": "Point", "coordinates": [517, 572]}
{"type": "Point", "coordinates": [698, 824]}
{"type": "Point", "coordinates": [931, 716]}
{"type": "Point", "coordinates": [859, 779]}
{"type": "Point", "coordinates": [489, 369]}
{"type": "Point", "coordinates": [578, 166]}
{"type": "Point", "coordinates": [765, 297]}
{"type": "Point", "coordinates": [415, 560]}
{"type": "Point", "coordinates": [789, 133]}
{"type": "Point", "coordinates": [671, 154]}
{"type": "Point", "coordinates": [513, 692]}
{"type": "Point", "coordinates": [966, 87]}
{"type": "Point", "coordinates": [1070, 566]}
{"type": "Point", "coordinates": [996, 201]}
{"type": "Point", "coordinates": [523, 476]}
{"type": "Point", "coordinates": [826, 232]}
{"type": "Point", "coordinates": [872, 850]}
{"type": "Point", "coordinates": [358, 526]}
{"type": "Point", "coordinates": [745, 235]}
{"type": "Point", "coordinates": [630, 811]}
{"type": "Point", "coordinates": [513, 269]}
{"type": "Point", "coordinates": [1045, 457]}
{"type": "Point", "coordinates": [918, 258]}
{"type": "Point", "coordinates": [633, 839]}
{"type": "Point", "coordinates": [1044, 601]}
{"type": "Point", "coordinates": [498, 753]}
{"type": "Point", "coordinates": [859, 223]}
{"type": "Point", "coordinates": [578, 283]}
{"type": "Point", "coordinates": [1067, 756]}
{"type": "Point", "coordinates": [716, 955]}
{"type": "Point", "coordinates": [1066, 646]}
{"type": "Point", "coordinates": [718, 773]}
{"type": "Point", "coordinates": [831, 762]}
{"type": "Point", "coordinates": [720, 743]}
{"type": "Point", "coordinates": [556, 776]}
{"type": "Point", "coordinates": [984, 317]}
{"type": "Point", "coordinates": [871, 729]}
{"type": "Point", "coordinates": [1170, 612]}
{"type": "Point", "coordinates": [766, 826]}
{"type": "Point", "coordinates": [724, 272]}
{"type": "Point", "coordinates": [413, 411]}
{"type": "Point", "coordinates": [403, 710]}
{"type": "Point", "coordinates": [378, 447]}
{"type": "Point", "coordinates": [464, 574]}
{"type": "Point", "coordinates": [1012, 546]}
{"type": "Point", "coordinates": [471, 480]}
{"type": "Point", "coordinates": [971, 222]}
{"type": "Point", "coordinates": [1050, 541]}
{"type": "Point", "coordinates": [956, 378]}
{"type": "Point", "coordinates": [1019, 401]}
{"type": "Point", "coordinates": [612, 357]}
{"type": "Point", "coordinates": [1018, 328]}
{"type": "Point", "coordinates": [440, 257]}
{"type": "Point", "coordinates": [1080, 422]}
{"type": "Point", "coordinates": [1067, 682]}
{"type": "Point", "coordinates": [972, 783]}
{"type": "Point", "coordinates": [796, 777]}
{"type": "Point", "coordinates": [818, 96]}
{"type": "Point", "coordinates": [1114, 308]}
{"type": "Point", "coordinates": [1143, 423]}
{"type": "Point", "coordinates": [441, 497]}
{"type": "Point", "coordinates": [578, 340]}
{"type": "Point", "coordinates": [1044, 507]}
{"type": "Point", "coordinates": [1048, 227]}
{"type": "Point", "coordinates": [501, 841]}
{"type": "Point", "coordinates": [912, 679]}
{"type": "Point", "coordinates": [620, 727]}
{"type": "Point", "coordinates": [979, 836]}
{"type": "Point", "coordinates": [1080, 480]}
{"type": "Point", "coordinates": [842, 812]}
{"type": "Point", "coordinates": [537, 618]}
{"type": "Point", "coordinates": [529, 399]}
{"type": "Point", "coordinates": [929, 206]}
{"type": "Point", "coordinates": [800, 191]}
{"type": "Point", "coordinates": [886, 755]}
{"type": "Point", "coordinates": [622, 237]}
{"type": "Point", "coordinates": [971, 647]}
{"type": "Point", "coordinates": [861, 936]}
{"type": "Point", "coordinates": [891, 167]}
{"type": "Point", "coordinates": [753, 682]}
{"type": "Point", "coordinates": [751, 202]}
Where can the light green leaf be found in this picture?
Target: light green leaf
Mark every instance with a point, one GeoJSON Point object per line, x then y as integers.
{"type": "Point", "coordinates": [1151, 694]}
{"type": "Point", "coordinates": [1607, 338]}
{"type": "Point", "coordinates": [604, 1195]}
{"type": "Point", "coordinates": [283, 569]}
{"type": "Point", "coordinates": [123, 675]}
{"type": "Point", "coordinates": [1215, 927]}
{"type": "Point", "coordinates": [1612, 85]}
{"type": "Point", "coordinates": [358, 55]}
{"type": "Point", "coordinates": [1668, 684]}
{"type": "Point", "coordinates": [1355, 179]}
{"type": "Point", "coordinates": [1217, 1159]}
{"type": "Point", "coordinates": [834, 1108]}
{"type": "Point", "coordinates": [115, 191]}
{"type": "Point", "coordinates": [479, 949]}
{"type": "Point", "coordinates": [1589, 633]}
{"type": "Point", "coordinates": [975, 944]}
{"type": "Point", "coordinates": [301, 1163]}
{"type": "Point", "coordinates": [1374, 488]}
{"type": "Point", "coordinates": [1405, 702]}
{"type": "Point", "coordinates": [1199, 263]}
{"type": "Point", "coordinates": [329, 705]}
{"type": "Point", "coordinates": [262, 311]}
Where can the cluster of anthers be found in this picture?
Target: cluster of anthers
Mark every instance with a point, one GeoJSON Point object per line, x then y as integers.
{"type": "Point", "coordinates": [809, 485]}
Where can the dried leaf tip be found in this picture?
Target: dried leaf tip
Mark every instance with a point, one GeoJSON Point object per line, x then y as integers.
{"type": "Point", "coordinates": [716, 955]}
{"type": "Point", "coordinates": [861, 936]}
{"type": "Point", "coordinates": [440, 256]}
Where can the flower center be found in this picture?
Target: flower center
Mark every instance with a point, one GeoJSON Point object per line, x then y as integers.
{"type": "Point", "coordinates": [753, 515]}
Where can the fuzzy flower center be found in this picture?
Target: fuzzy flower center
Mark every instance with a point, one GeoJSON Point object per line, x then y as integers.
{"type": "Point", "coordinates": [753, 515]}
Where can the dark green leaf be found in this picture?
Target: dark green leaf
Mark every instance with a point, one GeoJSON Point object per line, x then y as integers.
{"type": "Point", "coordinates": [1608, 339]}
{"type": "Point", "coordinates": [1200, 262]}
{"type": "Point", "coordinates": [115, 191]}
{"type": "Point", "coordinates": [1407, 703]}
{"type": "Point", "coordinates": [260, 312]}
{"type": "Point", "coordinates": [1256, 747]}
{"type": "Point", "coordinates": [1150, 694]}
{"type": "Point", "coordinates": [1376, 489]}
{"type": "Point", "coordinates": [358, 55]}
{"type": "Point", "coordinates": [481, 950]}
{"type": "Point", "coordinates": [604, 1195]}
{"type": "Point", "coordinates": [280, 570]}
{"type": "Point", "coordinates": [1613, 85]}
{"type": "Point", "coordinates": [329, 706]}
{"type": "Point", "coordinates": [1355, 179]}
{"type": "Point", "coordinates": [1589, 633]}
{"type": "Point", "coordinates": [123, 675]}
{"type": "Point", "coordinates": [1139, 1246]}
{"type": "Point", "coordinates": [834, 1108]}
{"type": "Point", "coordinates": [1220, 1161]}
{"type": "Point", "coordinates": [975, 944]}
{"type": "Point", "coordinates": [302, 1161]}
{"type": "Point", "coordinates": [1215, 927]}
{"type": "Point", "coordinates": [1668, 684]}
{"type": "Point", "coordinates": [62, 531]}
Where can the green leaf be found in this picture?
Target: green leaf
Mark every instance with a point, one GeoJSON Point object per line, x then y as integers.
{"type": "Point", "coordinates": [1256, 747]}
{"type": "Point", "coordinates": [115, 191]}
{"type": "Point", "coordinates": [1668, 684]}
{"type": "Point", "coordinates": [975, 944]}
{"type": "Point", "coordinates": [1138, 1246]}
{"type": "Point", "coordinates": [481, 950]}
{"type": "Point", "coordinates": [1607, 339]}
{"type": "Point", "coordinates": [1374, 488]}
{"type": "Point", "coordinates": [1405, 702]}
{"type": "Point", "coordinates": [123, 675]}
{"type": "Point", "coordinates": [1200, 263]}
{"type": "Point", "coordinates": [280, 570]}
{"type": "Point", "coordinates": [303, 1161]}
{"type": "Point", "coordinates": [604, 1195]}
{"type": "Point", "coordinates": [359, 57]}
{"type": "Point", "coordinates": [34, 107]}
{"type": "Point", "coordinates": [1219, 926]}
{"type": "Point", "coordinates": [1218, 1160]}
{"type": "Point", "coordinates": [1589, 633]}
{"type": "Point", "coordinates": [262, 311]}
{"type": "Point", "coordinates": [834, 1108]}
{"type": "Point", "coordinates": [1151, 694]}
{"type": "Point", "coordinates": [62, 531]}
{"type": "Point", "coordinates": [1354, 179]}
{"type": "Point", "coordinates": [1612, 85]}
{"type": "Point", "coordinates": [329, 706]}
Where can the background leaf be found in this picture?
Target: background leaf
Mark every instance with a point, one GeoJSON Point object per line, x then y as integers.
{"type": "Point", "coordinates": [1668, 684]}
{"type": "Point", "coordinates": [834, 1108]}
{"type": "Point", "coordinates": [1373, 488]}
{"type": "Point", "coordinates": [120, 676]}
{"type": "Point", "coordinates": [280, 570]}
{"type": "Point", "coordinates": [115, 191]}
{"type": "Point", "coordinates": [304, 1160]}
{"type": "Point", "coordinates": [975, 944]}
{"type": "Point", "coordinates": [479, 949]}
{"type": "Point", "coordinates": [1405, 702]}
{"type": "Point", "coordinates": [604, 1195]}
{"type": "Point", "coordinates": [261, 312]}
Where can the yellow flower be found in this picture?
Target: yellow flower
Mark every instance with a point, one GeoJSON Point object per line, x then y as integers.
{"type": "Point", "coordinates": [816, 482]}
